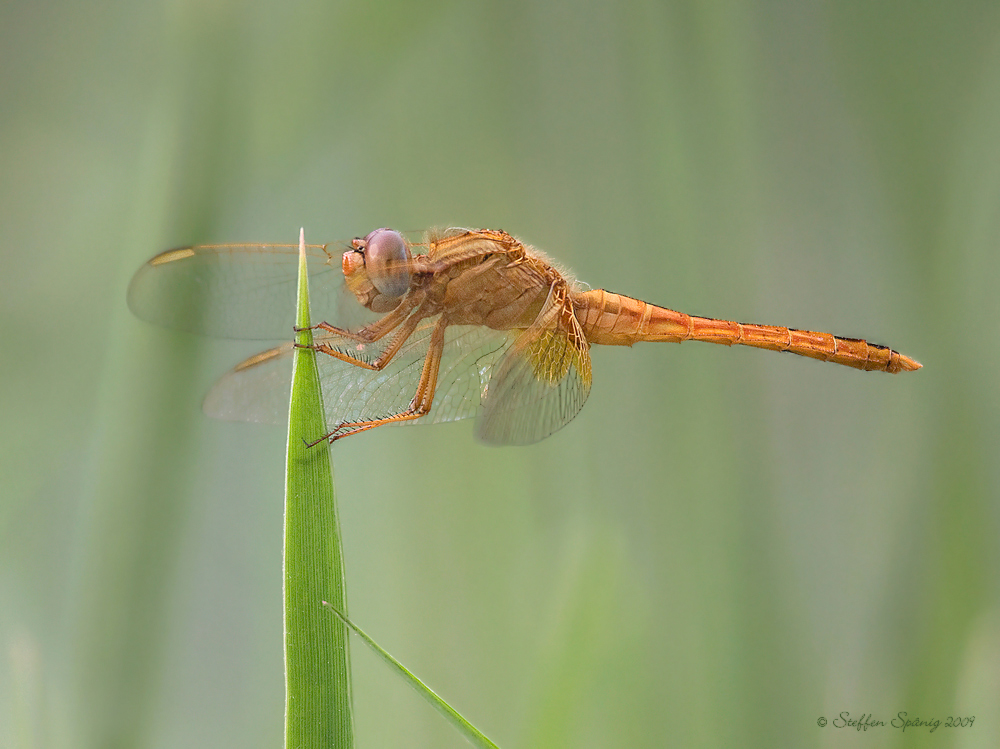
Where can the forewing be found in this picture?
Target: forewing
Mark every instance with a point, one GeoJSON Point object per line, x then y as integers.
{"type": "Point", "coordinates": [241, 290]}
{"type": "Point", "coordinates": [540, 384]}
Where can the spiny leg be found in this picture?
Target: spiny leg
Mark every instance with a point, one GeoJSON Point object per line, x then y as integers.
{"type": "Point", "coordinates": [378, 329]}
{"type": "Point", "coordinates": [402, 335]}
{"type": "Point", "coordinates": [422, 399]}
{"type": "Point", "coordinates": [374, 332]}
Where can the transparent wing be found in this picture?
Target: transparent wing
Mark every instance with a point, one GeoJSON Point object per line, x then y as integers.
{"type": "Point", "coordinates": [540, 384]}
{"type": "Point", "coordinates": [242, 290]}
{"type": "Point", "coordinates": [352, 394]}
{"type": "Point", "coordinates": [522, 386]}
{"type": "Point", "coordinates": [469, 361]}
{"type": "Point", "coordinates": [258, 389]}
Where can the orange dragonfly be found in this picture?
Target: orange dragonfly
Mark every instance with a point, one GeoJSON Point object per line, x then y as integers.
{"type": "Point", "coordinates": [477, 324]}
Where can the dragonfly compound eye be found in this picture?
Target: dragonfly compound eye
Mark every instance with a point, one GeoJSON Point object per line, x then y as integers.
{"type": "Point", "coordinates": [387, 262]}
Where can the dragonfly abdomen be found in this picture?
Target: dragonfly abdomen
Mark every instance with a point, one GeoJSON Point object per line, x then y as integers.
{"type": "Point", "coordinates": [617, 320]}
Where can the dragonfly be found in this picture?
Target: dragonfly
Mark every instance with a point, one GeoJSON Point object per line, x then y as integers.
{"type": "Point", "coordinates": [453, 324]}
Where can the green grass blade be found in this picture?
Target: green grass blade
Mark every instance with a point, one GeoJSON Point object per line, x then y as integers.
{"type": "Point", "coordinates": [317, 664]}
{"type": "Point", "coordinates": [473, 734]}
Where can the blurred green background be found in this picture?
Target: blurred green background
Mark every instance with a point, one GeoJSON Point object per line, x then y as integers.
{"type": "Point", "coordinates": [724, 546]}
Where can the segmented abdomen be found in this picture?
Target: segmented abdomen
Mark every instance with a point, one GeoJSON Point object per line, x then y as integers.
{"type": "Point", "coordinates": [617, 320]}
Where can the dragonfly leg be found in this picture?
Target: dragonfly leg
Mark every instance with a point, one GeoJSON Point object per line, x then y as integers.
{"type": "Point", "coordinates": [378, 329]}
{"type": "Point", "coordinates": [422, 399]}
{"type": "Point", "coordinates": [401, 336]}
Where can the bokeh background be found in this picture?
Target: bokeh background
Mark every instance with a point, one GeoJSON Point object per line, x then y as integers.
{"type": "Point", "coordinates": [726, 544]}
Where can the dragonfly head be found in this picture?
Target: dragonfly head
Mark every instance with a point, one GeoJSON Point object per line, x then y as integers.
{"type": "Point", "coordinates": [377, 269]}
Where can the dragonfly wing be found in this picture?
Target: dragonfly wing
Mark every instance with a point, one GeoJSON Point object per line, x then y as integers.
{"type": "Point", "coordinates": [470, 355]}
{"type": "Point", "coordinates": [256, 390]}
{"type": "Point", "coordinates": [352, 394]}
{"type": "Point", "coordinates": [540, 384]}
{"type": "Point", "coordinates": [241, 290]}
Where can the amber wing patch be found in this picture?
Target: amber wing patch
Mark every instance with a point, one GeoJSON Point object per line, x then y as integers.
{"type": "Point", "coordinates": [541, 383]}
